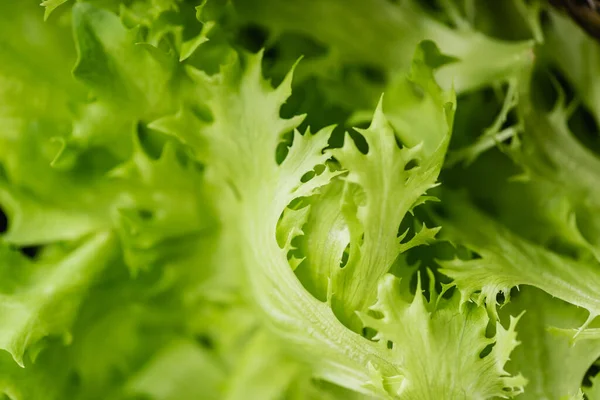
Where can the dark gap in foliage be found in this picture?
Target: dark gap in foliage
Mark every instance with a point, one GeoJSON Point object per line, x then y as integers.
{"type": "Point", "coordinates": [184, 159]}
{"type": "Point", "coordinates": [279, 58]}
{"type": "Point", "coordinates": [373, 74]}
{"type": "Point", "coordinates": [152, 142]}
{"type": "Point", "coordinates": [3, 221]}
{"type": "Point", "coordinates": [291, 46]}
{"type": "Point", "coordinates": [586, 223]}
{"type": "Point", "coordinates": [411, 164]}
{"type": "Point", "coordinates": [439, 210]}
{"type": "Point", "coordinates": [437, 11]}
{"type": "Point", "coordinates": [74, 379]}
{"type": "Point", "coordinates": [427, 256]}
{"type": "Point", "coordinates": [306, 45]}
{"type": "Point", "coordinates": [399, 143]}
{"type": "Point", "coordinates": [547, 84]}
{"type": "Point", "coordinates": [390, 344]}
{"type": "Point", "coordinates": [359, 141]}
{"type": "Point", "coordinates": [270, 57]}
{"type": "Point", "coordinates": [500, 298]}
{"type": "Point", "coordinates": [31, 252]}
{"type": "Point", "coordinates": [543, 93]}
{"type": "Point", "coordinates": [316, 171]}
{"type": "Point", "coordinates": [375, 314]}
{"type": "Point", "coordinates": [187, 17]}
{"type": "Point", "coordinates": [281, 152]}
{"type": "Point", "coordinates": [584, 127]}
{"type": "Point", "coordinates": [450, 292]}
{"type": "Point", "coordinates": [205, 341]}
{"type": "Point", "coordinates": [557, 245]}
{"type": "Point", "coordinates": [514, 292]}
{"type": "Point", "coordinates": [283, 147]}
{"type": "Point", "coordinates": [369, 333]}
{"type": "Point", "coordinates": [296, 244]}
{"type": "Point", "coordinates": [475, 113]}
{"type": "Point", "coordinates": [512, 118]}
{"type": "Point", "coordinates": [486, 205]}
{"type": "Point", "coordinates": [336, 140]}
{"type": "Point", "coordinates": [407, 225]}
{"type": "Point", "coordinates": [298, 203]}
{"type": "Point", "coordinates": [492, 18]}
{"type": "Point", "coordinates": [319, 169]}
{"type": "Point", "coordinates": [95, 162]}
{"type": "Point", "coordinates": [440, 279]}
{"type": "Point", "coordinates": [592, 371]}
{"type": "Point", "coordinates": [345, 256]}
{"type": "Point", "coordinates": [252, 37]}
{"type": "Point", "coordinates": [414, 279]}
{"type": "Point", "coordinates": [145, 214]}
{"type": "Point", "coordinates": [308, 99]}
{"type": "Point", "coordinates": [202, 112]}
{"type": "Point", "coordinates": [425, 282]}
{"type": "Point", "coordinates": [545, 20]}
{"type": "Point", "coordinates": [307, 176]}
{"type": "Point", "coordinates": [431, 6]}
{"type": "Point", "coordinates": [423, 214]}
{"type": "Point", "coordinates": [563, 84]}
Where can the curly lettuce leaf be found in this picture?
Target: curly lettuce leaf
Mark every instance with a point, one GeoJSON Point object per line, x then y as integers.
{"type": "Point", "coordinates": [430, 334]}
{"type": "Point", "coordinates": [175, 371]}
{"type": "Point", "coordinates": [577, 55]}
{"type": "Point", "coordinates": [504, 260]}
{"type": "Point", "coordinates": [43, 298]}
{"type": "Point", "coordinates": [243, 139]}
{"type": "Point", "coordinates": [553, 366]}
{"type": "Point", "coordinates": [549, 151]}
{"type": "Point", "coordinates": [394, 31]}
{"type": "Point", "coordinates": [382, 187]}
{"type": "Point", "coordinates": [71, 172]}
{"type": "Point", "coordinates": [46, 379]}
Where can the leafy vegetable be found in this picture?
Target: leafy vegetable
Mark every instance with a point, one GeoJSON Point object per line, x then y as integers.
{"type": "Point", "coordinates": [243, 199]}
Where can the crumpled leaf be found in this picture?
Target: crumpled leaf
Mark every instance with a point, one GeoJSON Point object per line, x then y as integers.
{"type": "Point", "coordinates": [440, 348]}
{"type": "Point", "coordinates": [395, 29]}
{"type": "Point", "coordinates": [549, 151]}
{"type": "Point", "coordinates": [115, 67]}
{"type": "Point", "coordinates": [42, 299]}
{"type": "Point", "coordinates": [505, 261]}
{"type": "Point", "coordinates": [392, 180]}
{"type": "Point", "coordinates": [543, 349]}
{"type": "Point", "coordinates": [164, 202]}
{"type": "Point", "coordinates": [577, 55]}
{"type": "Point", "coordinates": [174, 371]}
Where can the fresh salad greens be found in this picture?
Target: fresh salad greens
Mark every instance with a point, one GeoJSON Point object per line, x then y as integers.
{"type": "Point", "coordinates": [308, 199]}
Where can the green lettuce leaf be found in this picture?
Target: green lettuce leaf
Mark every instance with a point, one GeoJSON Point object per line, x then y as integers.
{"type": "Point", "coordinates": [395, 30]}
{"type": "Point", "coordinates": [577, 56]}
{"type": "Point", "coordinates": [42, 299]}
{"type": "Point", "coordinates": [553, 366]}
{"type": "Point", "coordinates": [503, 261]}
{"type": "Point", "coordinates": [244, 160]}
{"type": "Point", "coordinates": [430, 335]}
